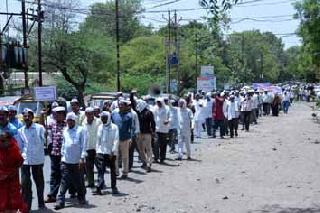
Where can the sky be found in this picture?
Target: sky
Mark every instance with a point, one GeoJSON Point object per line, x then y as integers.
{"type": "Point", "coordinates": [266, 15]}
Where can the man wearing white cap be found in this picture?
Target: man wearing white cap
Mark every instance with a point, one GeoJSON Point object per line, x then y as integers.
{"type": "Point", "coordinates": [52, 117]}
{"type": "Point", "coordinates": [107, 151]}
{"type": "Point", "coordinates": [80, 115]}
{"type": "Point", "coordinates": [13, 117]}
{"type": "Point", "coordinates": [162, 119]}
{"type": "Point", "coordinates": [96, 112]}
{"type": "Point", "coordinates": [122, 117]}
{"type": "Point", "coordinates": [185, 117]}
{"type": "Point", "coordinates": [90, 125]}
{"type": "Point", "coordinates": [55, 138]}
{"type": "Point", "coordinates": [232, 114]}
{"type": "Point", "coordinates": [147, 128]}
{"type": "Point", "coordinates": [73, 153]}
{"type": "Point", "coordinates": [5, 125]}
{"type": "Point", "coordinates": [31, 140]}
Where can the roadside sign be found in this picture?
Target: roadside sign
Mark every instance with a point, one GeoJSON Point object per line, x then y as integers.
{"type": "Point", "coordinates": [207, 71]}
{"type": "Point", "coordinates": [45, 93]}
{"type": "Point", "coordinates": [206, 84]}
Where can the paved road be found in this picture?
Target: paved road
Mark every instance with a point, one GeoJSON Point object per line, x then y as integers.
{"type": "Point", "coordinates": [273, 168]}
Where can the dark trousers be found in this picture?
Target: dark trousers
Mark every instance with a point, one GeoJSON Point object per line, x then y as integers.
{"type": "Point", "coordinates": [90, 160]}
{"type": "Point", "coordinates": [246, 119]}
{"type": "Point", "coordinates": [218, 124]}
{"type": "Point", "coordinates": [266, 108]}
{"type": "Point", "coordinates": [173, 139]}
{"type": "Point", "coordinates": [71, 176]}
{"type": "Point", "coordinates": [132, 148]}
{"type": "Point", "coordinates": [161, 146]}
{"type": "Point", "coordinates": [209, 126]}
{"type": "Point", "coordinates": [104, 160]}
{"type": "Point", "coordinates": [55, 177]}
{"type": "Point", "coordinates": [37, 175]}
{"type": "Point", "coordinates": [233, 126]}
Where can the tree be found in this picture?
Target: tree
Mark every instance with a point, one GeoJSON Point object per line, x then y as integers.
{"type": "Point", "coordinates": [308, 11]}
{"type": "Point", "coordinates": [215, 6]}
{"type": "Point", "coordinates": [102, 17]}
{"type": "Point", "coordinates": [79, 57]}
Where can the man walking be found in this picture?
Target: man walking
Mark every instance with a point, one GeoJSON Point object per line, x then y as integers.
{"type": "Point", "coordinates": [232, 114]}
{"type": "Point", "coordinates": [122, 117]}
{"type": "Point", "coordinates": [107, 150]}
{"type": "Point", "coordinates": [147, 128]}
{"type": "Point", "coordinates": [73, 154]}
{"type": "Point", "coordinates": [31, 140]}
{"type": "Point", "coordinates": [184, 129]}
{"type": "Point", "coordinates": [218, 115]}
{"type": "Point", "coordinates": [162, 119]}
{"type": "Point", "coordinates": [55, 136]}
{"type": "Point", "coordinates": [90, 125]}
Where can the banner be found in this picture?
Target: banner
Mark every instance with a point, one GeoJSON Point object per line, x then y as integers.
{"type": "Point", "coordinates": [45, 93]}
{"type": "Point", "coordinates": [206, 84]}
{"type": "Point", "coordinates": [207, 71]}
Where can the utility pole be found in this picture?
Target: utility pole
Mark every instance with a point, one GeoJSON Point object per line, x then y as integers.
{"type": "Point", "coordinates": [197, 73]}
{"type": "Point", "coordinates": [176, 41]}
{"type": "Point", "coordinates": [261, 60]}
{"type": "Point", "coordinates": [40, 14]}
{"type": "Point", "coordinates": [118, 46]}
{"type": "Point", "coordinates": [242, 58]}
{"type": "Point", "coordinates": [25, 42]}
{"type": "Point", "coordinates": [169, 52]}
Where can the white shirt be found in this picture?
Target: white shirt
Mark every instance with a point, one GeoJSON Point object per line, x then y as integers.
{"type": "Point", "coordinates": [73, 145]}
{"type": "Point", "coordinates": [91, 131]}
{"type": "Point", "coordinates": [199, 110]}
{"type": "Point", "coordinates": [31, 141]}
{"type": "Point", "coordinates": [162, 114]}
{"type": "Point", "coordinates": [208, 108]}
{"type": "Point", "coordinates": [173, 118]}
{"type": "Point", "coordinates": [185, 117]}
{"type": "Point", "coordinates": [232, 110]}
{"type": "Point", "coordinates": [108, 139]}
{"type": "Point", "coordinates": [80, 117]}
{"type": "Point", "coordinates": [135, 122]}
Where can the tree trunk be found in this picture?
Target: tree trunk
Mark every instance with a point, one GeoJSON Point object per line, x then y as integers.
{"type": "Point", "coordinates": [80, 91]}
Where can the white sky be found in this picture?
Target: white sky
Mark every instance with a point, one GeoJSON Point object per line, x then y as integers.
{"type": "Point", "coordinates": [272, 15]}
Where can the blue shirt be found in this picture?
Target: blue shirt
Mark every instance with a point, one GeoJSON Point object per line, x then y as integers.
{"type": "Point", "coordinates": [124, 122]}
{"type": "Point", "coordinates": [31, 142]}
{"type": "Point", "coordinates": [73, 145]}
{"type": "Point", "coordinates": [10, 128]}
{"type": "Point", "coordinates": [15, 122]}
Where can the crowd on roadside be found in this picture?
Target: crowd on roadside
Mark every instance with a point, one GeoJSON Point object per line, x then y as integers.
{"type": "Point", "coordinates": [81, 141]}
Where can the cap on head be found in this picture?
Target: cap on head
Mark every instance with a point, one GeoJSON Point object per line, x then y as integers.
{"type": "Point", "coordinates": [74, 100]}
{"type": "Point", "coordinates": [89, 109]}
{"type": "Point", "coordinates": [3, 109]}
{"type": "Point", "coordinates": [27, 110]}
{"type": "Point", "coordinates": [54, 104]}
{"type": "Point", "coordinates": [71, 116]}
{"type": "Point", "coordinates": [12, 108]}
{"type": "Point", "coordinates": [59, 109]}
{"type": "Point", "coordinates": [105, 114]}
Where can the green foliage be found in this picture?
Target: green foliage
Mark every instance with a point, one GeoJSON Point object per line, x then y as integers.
{"type": "Point", "coordinates": [102, 18]}
{"type": "Point", "coordinates": [308, 11]}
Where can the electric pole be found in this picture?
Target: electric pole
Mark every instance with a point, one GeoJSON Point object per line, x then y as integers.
{"type": "Point", "coordinates": [261, 77]}
{"type": "Point", "coordinates": [176, 41]}
{"type": "Point", "coordinates": [25, 42]}
{"type": "Point", "coordinates": [40, 14]}
{"type": "Point", "coordinates": [169, 52]}
{"type": "Point", "coordinates": [118, 46]}
{"type": "Point", "coordinates": [197, 73]}
{"type": "Point", "coordinates": [242, 58]}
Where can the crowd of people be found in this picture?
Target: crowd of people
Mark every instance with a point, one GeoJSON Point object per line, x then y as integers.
{"type": "Point", "coordinates": [80, 141]}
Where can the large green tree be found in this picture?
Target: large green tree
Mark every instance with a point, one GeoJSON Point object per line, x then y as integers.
{"type": "Point", "coordinates": [308, 11]}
